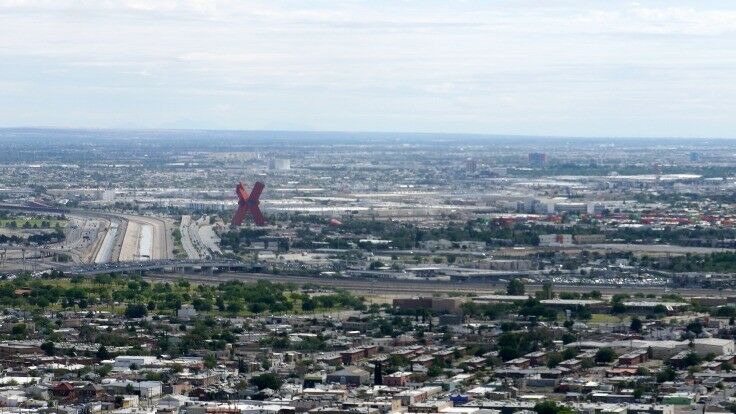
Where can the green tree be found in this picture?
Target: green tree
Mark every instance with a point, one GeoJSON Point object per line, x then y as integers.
{"type": "Point", "coordinates": [636, 324]}
{"type": "Point", "coordinates": [695, 327]}
{"type": "Point", "coordinates": [210, 361]}
{"type": "Point", "coordinates": [638, 392]}
{"type": "Point", "coordinates": [135, 310]}
{"type": "Point", "coordinates": [376, 265]}
{"type": "Point", "coordinates": [691, 359]}
{"type": "Point", "coordinates": [553, 359]}
{"type": "Point", "coordinates": [102, 353]}
{"type": "Point", "coordinates": [546, 292]}
{"type": "Point", "coordinates": [19, 330]}
{"type": "Point", "coordinates": [266, 380]}
{"type": "Point", "coordinates": [605, 356]}
{"type": "Point", "coordinates": [618, 308]}
{"type": "Point", "coordinates": [434, 370]}
{"type": "Point", "coordinates": [308, 304]}
{"type": "Point", "coordinates": [515, 287]}
{"type": "Point", "coordinates": [551, 407]}
{"type": "Point", "coordinates": [568, 337]}
{"type": "Point", "coordinates": [49, 348]}
{"type": "Point", "coordinates": [666, 374]}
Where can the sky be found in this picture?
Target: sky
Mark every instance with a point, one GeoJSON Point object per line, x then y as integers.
{"type": "Point", "coordinates": [547, 67]}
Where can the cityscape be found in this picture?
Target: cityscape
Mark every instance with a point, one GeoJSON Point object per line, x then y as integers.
{"type": "Point", "coordinates": [205, 271]}
{"type": "Point", "coordinates": [367, 207]}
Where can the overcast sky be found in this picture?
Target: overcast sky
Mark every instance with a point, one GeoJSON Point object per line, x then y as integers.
{"type": "Point", "coordinates": [588, 68]}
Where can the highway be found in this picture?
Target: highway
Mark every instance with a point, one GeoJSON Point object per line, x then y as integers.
{"type": "Point", "coordinates": [408, 288]}
{"type": "Point", "coordinates": [191, 240]}
{"type": "Point", "coordinates": [209, 237]}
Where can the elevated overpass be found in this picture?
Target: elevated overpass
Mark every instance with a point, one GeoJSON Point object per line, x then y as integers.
{"type": "Point", "coordinates": [181, 266]}
{"type": "Point", "coordinates": [34, 206]}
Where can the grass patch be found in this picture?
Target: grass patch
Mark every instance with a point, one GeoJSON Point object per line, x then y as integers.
{"type": "Point", "coordinates": [606, 318]}
{"type": "Point", "coordinates": [32, 223]}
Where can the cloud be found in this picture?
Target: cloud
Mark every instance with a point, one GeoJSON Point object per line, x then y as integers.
{"type": "Point", "coordinates": [558, 66]}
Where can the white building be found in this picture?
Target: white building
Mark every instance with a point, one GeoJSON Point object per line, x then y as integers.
{"type": "Point", "coordinates": [209, 206]}
{"type": "Point", "coordinates": [12, 398]}
{"type": "Point", "coordinates": [108, 195]}
{"type": "Point", "coordinates": [204, 407]}
{"type": "Point", "coordinates": [186, 312]}
{"type": "Point", "coordinates": [279, 164]}
{"type": "Point", "coordinates": [124, 361]}
{"type": "Point", "coordinates": [144, 389]}
{"type": "Point", "coordinates": [172, 403]}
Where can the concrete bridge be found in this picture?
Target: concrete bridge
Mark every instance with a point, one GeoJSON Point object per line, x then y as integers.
{"type": "Point", "coordinates": [182, 266]}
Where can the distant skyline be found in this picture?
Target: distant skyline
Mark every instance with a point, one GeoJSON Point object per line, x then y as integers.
{"type": "Point", "coordinates": [548, 67]}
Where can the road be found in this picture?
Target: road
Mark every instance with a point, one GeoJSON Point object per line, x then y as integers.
{"type": "Point", "coordinates": [187, 228]}
{"type": "Point", "coordinates": [87, 238]}
{"type": "Point", "coordinates": [82, 235]}
{"type": "Point", "coordinates": [209, 237]}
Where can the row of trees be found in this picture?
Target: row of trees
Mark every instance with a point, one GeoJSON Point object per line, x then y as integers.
{"type": "Point", "coordinates": [143, 297]}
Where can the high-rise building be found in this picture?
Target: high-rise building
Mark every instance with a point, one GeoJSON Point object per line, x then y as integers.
{"type": "Point", "coordinates": [537, 159]}
{"type": "Point", "coordinates": [471, 165]}
{"type": "Point", "coordinates": [106, 195]}
{"type": "Point", "coordinates": [279, 164]}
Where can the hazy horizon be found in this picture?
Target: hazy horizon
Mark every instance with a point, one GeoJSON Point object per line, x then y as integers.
{"type": "Point", "coordinates": [49, 131]}
{"type": "Point", "coordinates": [562, 68]}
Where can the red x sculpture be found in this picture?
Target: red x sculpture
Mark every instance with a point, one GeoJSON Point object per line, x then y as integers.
{"type": "Point", "coordinates": [249, 203]}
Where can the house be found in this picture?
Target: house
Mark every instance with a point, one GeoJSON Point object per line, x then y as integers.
{"type": "Point", "coordinates": [679, 360]}
{"type": "Point", "coordinates": [352, 356]}
{"type": "Point", "coordinates": [330, 359]}
{"type": "Point", "coordinates": [537, 358]}
{"type": "Point", "coordinates": [63, 390]}
{"type": "Point", "coordinates": [369, 350]}
{"type": "Point", "coordinates": [171, 403]}
{"type": "Point", "coordinates": [202, 379]}
{"type": "Point", "coordinates": [397, 379]}
{"type": "Point", "coordinates": [571, 364]}
{"type": "Point", "coordinates": [633, 358]}
{"type": "Point", "coordinates": [91, 392]}
{"type": "Point", "coordinates": [178, 388]}
{"type": "Point", "coordinates": [726, 358]}
{"type": "Point", "coordinates": [423, 360]}
{"type": "Point", "coordinates": [521, 363]}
